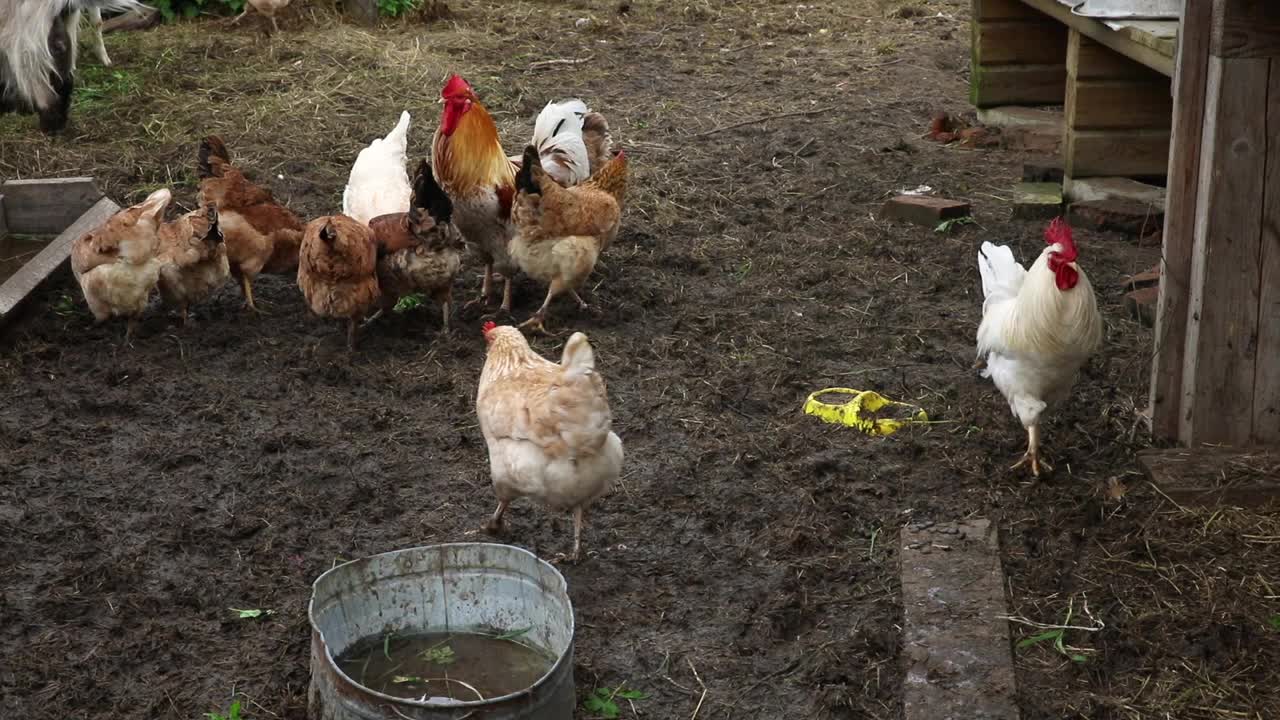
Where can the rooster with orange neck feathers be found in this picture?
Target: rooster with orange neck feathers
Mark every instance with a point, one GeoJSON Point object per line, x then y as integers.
{"type": "Point", "coordinates": [470, 165]}
{"type": "Point", "coordinates": [1039, 326]}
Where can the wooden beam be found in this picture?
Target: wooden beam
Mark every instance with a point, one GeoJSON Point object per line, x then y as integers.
{"type": "Point", "coordinates": [1020, 42]}
{"type": "Point", "coordinates": [1266, 403]}
{"type": "Point", "coordinates": [1017, 85]}
{"type": "Point", "coordinates": [1121, 104]}
{"type": "Point", "coordinates": [1092, 60]}
{"type": "Point", "coordinates": [1122, 43]}
{"type": "Point", "coordinates": [1005, 10]}
{"type": "Point", "coordinates": [1222, 325]}
{"type": "Point", "coordinates": [22, 283]}
{"type": "Point", "coordinates": [4, 220]}
{"type": "Point", "coordinates": [1110, 153]}
{"type": "Point", "coordinates": [1179, 220]}
{"type": "Point", "coordinates": [47, 207]}
{"type": "Point", "coordinates": [1246, 29]}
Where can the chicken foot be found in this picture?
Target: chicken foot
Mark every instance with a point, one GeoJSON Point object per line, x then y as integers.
{"type": "Point", "coordinates": [534, 323]}
{"type": "Point", "coordinates": [486, 287]}
{"type": "Point", "coordinates": [579, 517]}
{"type": "Point", "coordinates": [246, 285]}
{"type": "Point", "coordinates": [1033, 453]}
{"type": "Point", "coordinates": [446, 307]}
{"type": "Point", "coordinates": [494, 525]}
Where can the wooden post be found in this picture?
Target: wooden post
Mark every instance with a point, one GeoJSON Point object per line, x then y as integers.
{"type": "Point", "coordinates": [1180, 218]}
{"type": "Point", "coordinates": [1018, 55]}
{"type": "Point", "coordinates": [1230, 382]}
{"type": "Point", "coordinates": [364, 12]}
{"type": "Point", "coordinates": [1118, 114]}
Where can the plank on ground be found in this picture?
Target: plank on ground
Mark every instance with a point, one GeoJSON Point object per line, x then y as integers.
{"type": "Point", "coordinates": [1219, 366]}
{"type": "Point", "coordinates": [47, 207]}
{"type": "Point", "coordinates": [955, 647]}
{"type": "Point", "coordinates": [17, 287]}
{"type": "Point", "coordinates": [1179, 221]}
{"type": "Point", "coordinates": [1209, 477]}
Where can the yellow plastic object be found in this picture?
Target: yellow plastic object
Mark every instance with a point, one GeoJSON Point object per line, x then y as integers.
{"type": "Point", "coordinates": [851, 413]}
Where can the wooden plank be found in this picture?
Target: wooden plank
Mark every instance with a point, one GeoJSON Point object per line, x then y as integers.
{"type": "Point", "coordinates": [4, 222]}
{"type": "Point", "coordinates": [1018, 42]}
{"type": "Point", "coordinates": [47, 207]}
{"type": "Point", "coordinates": [1004, 10]}
{"type": "Point", "coordinates": [1209, 477]}
{"type": "Point", "coordinates": [1089, 59]}
{"type": "Point", "coordinates": [1266, 403]}
{"type": "Point", "coordinates": [955, 646]}
{"type": "Point", "coordinates": [1219, 365]}
{"type": "Point", "coordinates": [1159, 35]}
{"type": "Point", "coordinates": [40, 267]}
{"type": "Point", "coordinates": [1246, 29]}
{"type": "Point", "coordinates": [1126, 153]}
{"type": "Point", "coordinates": [1123, 104]}
{"type": "Point", "coordinates": [1179, 221]}
{"type": "Point", "coordinates": [1154, 59]}
{"type": "Point", "coordinates": [1017, 85]}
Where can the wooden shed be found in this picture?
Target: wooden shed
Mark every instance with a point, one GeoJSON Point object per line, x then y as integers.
{"type": "Point", "coordinates": [1196, 100]}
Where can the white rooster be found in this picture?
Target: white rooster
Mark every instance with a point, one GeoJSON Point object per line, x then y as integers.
{"type": "Point", "coordinates": [1038, 328]}
{"type": "Point", "coordinates": [572, 141]}
{"type": "Point", "coordinates": [379, 180]}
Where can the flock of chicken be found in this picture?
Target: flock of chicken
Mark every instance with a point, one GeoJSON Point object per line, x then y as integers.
{"type": "Point", "coordinates": [549, 213]}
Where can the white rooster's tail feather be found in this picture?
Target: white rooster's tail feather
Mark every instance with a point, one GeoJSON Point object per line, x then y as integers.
{"type": "Point", "coordinates": [1001, 274]}
{"type": "Point", "coordinates": [557, 134]}
{"type": "Point", "coordinates": [27, 61]}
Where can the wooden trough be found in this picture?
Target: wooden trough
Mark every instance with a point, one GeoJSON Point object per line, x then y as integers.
{"type": "Point", "coordinates": [30, 212]}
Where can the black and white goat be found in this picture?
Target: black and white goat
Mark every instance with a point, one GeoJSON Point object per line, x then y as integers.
{"type": "Point", "coordinates": [38, 48]}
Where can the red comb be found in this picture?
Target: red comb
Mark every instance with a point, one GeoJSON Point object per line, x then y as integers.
{"type": "Point", "coordinates": [1060, 232]}
{"type": "Point", "coordinates": [455, 86]}
{"type": "Point", "coordinates": [488, 326]}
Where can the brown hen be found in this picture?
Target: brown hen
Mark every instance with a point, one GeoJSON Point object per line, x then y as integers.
{"type": "Point", "coordinates": [261, 234]}
{"type": "Point", "coordinates": [337, 270]}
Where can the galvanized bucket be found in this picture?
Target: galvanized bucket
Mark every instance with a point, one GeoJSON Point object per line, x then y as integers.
{"type": "Point", "coordinates": [455, 587]}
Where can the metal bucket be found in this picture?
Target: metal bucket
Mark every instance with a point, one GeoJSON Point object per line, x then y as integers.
{"type": "Point", "coordinates": [455, 588]}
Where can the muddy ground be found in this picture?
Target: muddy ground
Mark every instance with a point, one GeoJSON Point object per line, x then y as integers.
{"type": "Point", "coordinates": [747, 565]}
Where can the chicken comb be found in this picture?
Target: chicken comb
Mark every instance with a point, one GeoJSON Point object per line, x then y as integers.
{"type": "Point", "coordinates": [1060, 232]}
{"type": "Point", "coordinates": [455, 86]}
{"type": "Point", "coordinates": [488, 326]}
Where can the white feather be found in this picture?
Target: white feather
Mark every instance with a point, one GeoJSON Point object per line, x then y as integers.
{"type": "Point", "coordinates": [557, 135]}
{"type": "Point", "coordinates": [379, 180]}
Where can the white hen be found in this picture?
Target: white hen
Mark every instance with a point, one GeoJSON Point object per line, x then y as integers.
{"type": "Point", "coordinates": [379, 180]}
{"type": "Point", "coordinates": [1039, 326]}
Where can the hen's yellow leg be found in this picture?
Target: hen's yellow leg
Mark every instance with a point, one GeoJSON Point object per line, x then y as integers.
{"type": "Point", "coordinates": [534, 323]}
{"type": "Point", "coordinates": [1033, 453]}
{"type": "Point", "coordinates": [485, 287]}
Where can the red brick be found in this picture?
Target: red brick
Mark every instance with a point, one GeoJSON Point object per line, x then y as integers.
{"type": "Point", "coordinates": [1142, 304]}
{"type": "Point", "coordinates": [1126, 216]}
{"type": "Point", "coordinates": [923, 210]}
